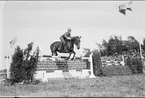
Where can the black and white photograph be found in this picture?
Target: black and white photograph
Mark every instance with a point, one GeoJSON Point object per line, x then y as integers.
{"type": "Point", "coordinates": [77, 48]}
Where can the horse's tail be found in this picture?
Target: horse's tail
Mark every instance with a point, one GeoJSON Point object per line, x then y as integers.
{"type": "Point", "coordinates": [52, 48]}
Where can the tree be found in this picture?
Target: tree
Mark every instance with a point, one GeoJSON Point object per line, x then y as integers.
{"type": "Point", "coordinates": [16, 68]}
{"type": "Point", "coordinates": [114, 46]}
{"type": "Point", "coordinates": [23, 64]}
{"type": "Point", "coordinates": [111, 46]}
{"type": "Point", "coordinates": [131, 39]}
{"type": "Point", "coordinates": [143, 46]}
{"type": "Point", "coordinates": [133, 44]}
{"type": "Point", "coordinates": [118, 44]}
{"type": "Point", "coordinates": [105, 48]}
{"type": "Point", "coordinates": [86, 52]}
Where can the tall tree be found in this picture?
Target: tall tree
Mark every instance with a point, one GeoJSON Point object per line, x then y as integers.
{"type": "Point", "coordinates": [86, 52]}
{"type": "Point", "coordinates": [21, 67]}
{"type": "Point", "coordinates": [143, 46]}
{"type": "Point", "coordinates": [105, 48]}
{"type": "Point", "coordinates": [111, 46]}
{"type": "Point", "coordinates": [133, 43]}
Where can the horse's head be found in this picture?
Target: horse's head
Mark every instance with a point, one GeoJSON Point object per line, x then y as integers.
{"type": "Point", "coordinates": [77, 41]}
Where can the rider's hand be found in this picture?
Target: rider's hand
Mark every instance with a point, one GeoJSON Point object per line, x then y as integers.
{"type": "Point", "coordinates": [69, 38]}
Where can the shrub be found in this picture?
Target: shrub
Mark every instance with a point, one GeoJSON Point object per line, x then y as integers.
{"type": "Point", "coordinates": [16, 68]}
{"type": "Point", "coordinates": [23, 64]}
{"type": "Point", "coordinates": [97, 64]}
{"type": "Point", "coordinates": [135, 64]}
{"type": "Point", "coordinates": [115, 70]}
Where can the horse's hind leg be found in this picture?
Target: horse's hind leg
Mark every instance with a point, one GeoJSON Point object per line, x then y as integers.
{"type": "Point", "coordinates": [54, 53]}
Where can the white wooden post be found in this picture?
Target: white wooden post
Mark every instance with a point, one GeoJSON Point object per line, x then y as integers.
{"type": "Point", "coordinates": [9, 65]}
{"type": "Point", "coordinates": [123, 61]}
{"type": "Point", "coordinates": [7, 62]}
{"type": "Point", "coordinates": [91, 67]}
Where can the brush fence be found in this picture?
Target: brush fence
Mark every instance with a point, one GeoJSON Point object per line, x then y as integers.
{"type": "Point", "coordinates": [106, 63]}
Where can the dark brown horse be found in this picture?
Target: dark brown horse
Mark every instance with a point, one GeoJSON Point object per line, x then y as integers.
{"type": "Point", "coordinates": [67, 47]}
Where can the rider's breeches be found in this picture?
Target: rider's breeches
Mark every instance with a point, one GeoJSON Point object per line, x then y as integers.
{"type": "Point", "coordinates": [62, 39]}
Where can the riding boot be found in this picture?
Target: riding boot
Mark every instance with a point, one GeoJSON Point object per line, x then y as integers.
{"type": "Point", "coordinates": [62, 46]}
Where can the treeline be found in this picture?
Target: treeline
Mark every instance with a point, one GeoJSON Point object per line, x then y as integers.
{"type": "Point", "coordinates": [116, 46]}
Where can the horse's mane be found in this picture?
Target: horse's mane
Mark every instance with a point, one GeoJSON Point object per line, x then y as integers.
{"type": "Point", "coordinates": [74, 38]}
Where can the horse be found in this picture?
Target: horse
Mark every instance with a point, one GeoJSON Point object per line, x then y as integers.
{"type": "Point", "coordinates": [67, 47]}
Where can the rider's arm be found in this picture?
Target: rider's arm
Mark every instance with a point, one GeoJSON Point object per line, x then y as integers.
{"type": "Point", "coordinates": [67, 36]}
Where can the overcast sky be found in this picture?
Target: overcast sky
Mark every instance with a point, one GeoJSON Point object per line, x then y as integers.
{"type": "Point", "coordinates": [43, 22]}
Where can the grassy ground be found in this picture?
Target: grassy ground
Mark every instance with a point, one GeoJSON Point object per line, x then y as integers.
{"type": "Point", "coordinates": [124, 86]}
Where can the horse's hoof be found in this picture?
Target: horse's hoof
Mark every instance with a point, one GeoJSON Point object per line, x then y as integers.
{"type": "Point", "coordinates": [66, 59]}
{"type": "Point", "coordinates": [65, 78]}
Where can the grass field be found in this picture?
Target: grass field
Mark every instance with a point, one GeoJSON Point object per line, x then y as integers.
{"type": "Point", "coordinates": [124, 86]}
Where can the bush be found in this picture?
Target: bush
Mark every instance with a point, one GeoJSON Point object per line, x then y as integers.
{"type": "Point", "coordinates": [16, 68]}
{"type": "Point", "coordinates": [23, 64]}
{"type": "Point", "coordinates": [97, 64]}
{"type": "Point", "coordinates": [135, 64]}
{"type": "Point", "coordinates": [115, 70]}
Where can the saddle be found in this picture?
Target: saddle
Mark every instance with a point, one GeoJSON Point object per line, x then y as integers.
{"type": "Point", "coordinates": [62, 45]}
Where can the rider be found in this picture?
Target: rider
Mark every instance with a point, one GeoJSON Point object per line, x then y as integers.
{"type": "Point", "coordinates": [66, 35]}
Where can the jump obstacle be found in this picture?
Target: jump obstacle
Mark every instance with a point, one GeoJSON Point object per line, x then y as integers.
{"type": "Point", "coordinates": [56, 67]}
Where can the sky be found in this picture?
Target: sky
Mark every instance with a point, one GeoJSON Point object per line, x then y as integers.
{"type": "Point", "coordinates": [43, 22]}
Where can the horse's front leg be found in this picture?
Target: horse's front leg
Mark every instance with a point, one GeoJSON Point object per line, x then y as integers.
{"type": "Point", "coordinates": [56, 53]}
{"type": "Point", "coordinates": [69, 56]}
{"type": "Point", "coordinates": [73, 55]}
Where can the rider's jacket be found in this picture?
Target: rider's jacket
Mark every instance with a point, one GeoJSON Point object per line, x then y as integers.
{"type": "Point", "coordinates": [65, 36]}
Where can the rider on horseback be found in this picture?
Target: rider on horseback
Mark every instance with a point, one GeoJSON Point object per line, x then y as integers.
{"type": "Point", "coordinates": [64, 37]}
